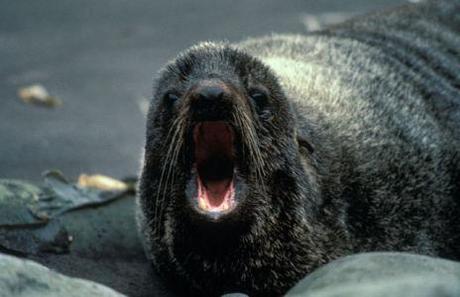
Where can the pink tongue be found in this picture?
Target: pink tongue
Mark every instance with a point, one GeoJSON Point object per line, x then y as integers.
{"type": "Point", "coordinates": [218, 196]}
{"type": "Point", "coordinates": [216, 191]}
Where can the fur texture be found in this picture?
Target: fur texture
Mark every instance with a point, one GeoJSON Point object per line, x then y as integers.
{"type": "Point", "coordinates": [359, 151]}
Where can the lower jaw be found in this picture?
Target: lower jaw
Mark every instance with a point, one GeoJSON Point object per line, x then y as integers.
{"type": "Point", "coordinates": [202, 207]}
{"type": "Point", "coordinates": [215, 196]}
{"type": "Point", "coordinates": [214, 215]}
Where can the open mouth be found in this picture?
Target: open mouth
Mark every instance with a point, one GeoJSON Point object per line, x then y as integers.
{"type": "Point", "coordinates": [215, 166]}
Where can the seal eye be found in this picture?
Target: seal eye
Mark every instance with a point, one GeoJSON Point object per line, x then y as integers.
{"type": "Point", "coordinates": [259, 98]}
{"type": "Point", "coordinates": [171, 97]}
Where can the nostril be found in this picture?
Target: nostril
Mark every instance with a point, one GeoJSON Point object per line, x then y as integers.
{"type": "Point", "coordinates": [209, 93]}
{"type": "Point", "coordinates": [210, 102]}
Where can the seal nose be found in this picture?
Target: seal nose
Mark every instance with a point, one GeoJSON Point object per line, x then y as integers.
{"type": "Point", "coordinates": [210, 102]}
{"type": "Point", "coordinates": [210, 93]}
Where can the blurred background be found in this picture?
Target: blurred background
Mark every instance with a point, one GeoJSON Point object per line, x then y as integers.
{"type": "Point", "coordinates": [98, 60]}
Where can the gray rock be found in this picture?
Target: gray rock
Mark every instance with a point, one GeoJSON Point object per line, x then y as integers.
{"type": "Point", "coordinates": [24, 278]}
{"type": "Point", "coordinates": [30, 215]}
{"type": "Point", "coordinates": [382, 274]}
{"type": "Point", "coordinates": [78, 232]}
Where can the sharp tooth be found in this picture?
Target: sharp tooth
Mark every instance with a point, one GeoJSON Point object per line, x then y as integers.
{"type": "Point", "coordinates": [202, 203]}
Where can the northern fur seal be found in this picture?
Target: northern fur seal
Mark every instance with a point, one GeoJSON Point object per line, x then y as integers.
{"type": "Point", "coordinates": [268, 158]}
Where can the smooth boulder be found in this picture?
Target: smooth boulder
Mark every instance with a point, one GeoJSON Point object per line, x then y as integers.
{"type": "Point", "coordinates": [25, 278]}
{"type": "Point", "coordinates": [382, 274]}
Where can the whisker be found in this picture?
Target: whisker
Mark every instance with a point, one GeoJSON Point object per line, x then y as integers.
{"type": "Point", "coordinates": [178, 128]}
{"type": "Point", "coordinates": [171, 140]}
{"type": "Point", "coordinates": [176, 145]}
{"type": "Point", "coordinates": [249, 135]}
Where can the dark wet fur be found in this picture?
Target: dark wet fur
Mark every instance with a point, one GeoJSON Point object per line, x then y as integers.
{"type": "Point", "coordinates": [357, 150]}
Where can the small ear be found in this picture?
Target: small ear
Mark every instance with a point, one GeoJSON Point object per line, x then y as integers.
{"type": "Point", "coordinates": [304, 143]}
